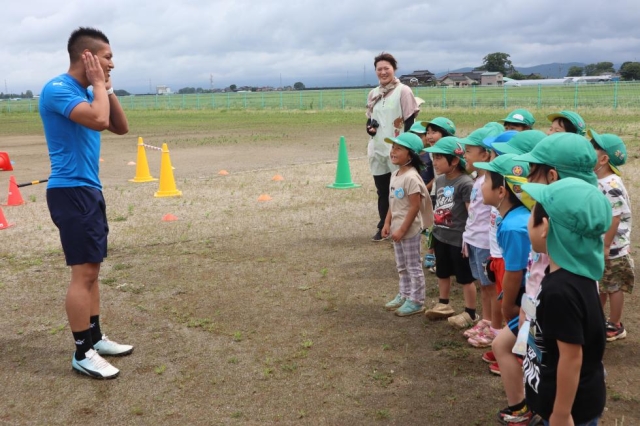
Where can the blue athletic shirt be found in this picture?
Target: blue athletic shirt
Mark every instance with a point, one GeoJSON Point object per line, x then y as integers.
{"type": "Point", "coordinates": [74, 150]}
{"type": "Point", "coordinates": [513, 239]}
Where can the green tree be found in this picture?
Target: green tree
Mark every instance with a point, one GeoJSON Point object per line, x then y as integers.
{"type": "Point", "coordinates": [497, 62]}
{"type": "Point", "coordinates": [630, 71]}
{"type": "Point", "coordinates": [575, 71]}
{"type": "Point", "coordinates": [599, 68]}
{"type": "Point", "coordinates": [517, 75]}
{"type": "Point", "coordinates": [121, 92]}
{"type": "Point", "coordinates": [233, 87]}
{"type": "Point", "coordinates": [298, 85]}
{"type": "Point", "coordinates": [28, 94]}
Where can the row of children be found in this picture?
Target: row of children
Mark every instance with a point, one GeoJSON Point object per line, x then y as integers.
{"type": "Point", "coordinates": [545, 218]}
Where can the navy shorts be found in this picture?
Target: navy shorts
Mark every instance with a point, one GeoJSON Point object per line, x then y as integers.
{"type": "Point", "coordinates": [449, 261]}
{"type": "Point", "coordinates": [81, 217]}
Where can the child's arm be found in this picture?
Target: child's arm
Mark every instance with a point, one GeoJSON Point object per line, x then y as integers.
{"type": "Point", "coordinates": [430, 185]}
{"type": "Point", "coordinates": [610, 235]}
{"type": "Point", "coordinates": [384, 232]}
{"type": "Point", "coordinates": [414, 208]}
{"type": "Point", "coordinates": [567, 380]}
{"type": "Point", "coordinates": [511, 284]}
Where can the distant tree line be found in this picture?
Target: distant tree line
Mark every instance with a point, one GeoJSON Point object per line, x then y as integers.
{"type": "Point", "coordinates": [501, 62]}
{"type": "Point", "coordinates": [26, 95]}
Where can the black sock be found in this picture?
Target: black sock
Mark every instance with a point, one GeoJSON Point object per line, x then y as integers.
{"type": "Point", "coordinates": [518, 406]}
{"type": "Point", "coordinates": [96, 333]}
{"type": "Point", "coordinates": [83, 343]}
{"type": "Point", "coordinates": [443, 301]}
{"type": "Point", "coordinates": [471, 312]}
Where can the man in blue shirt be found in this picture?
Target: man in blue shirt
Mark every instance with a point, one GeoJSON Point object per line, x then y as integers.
{"type": "Point", "coordinates": [73, 117]}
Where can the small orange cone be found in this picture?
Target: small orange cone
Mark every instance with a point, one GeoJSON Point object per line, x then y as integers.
{"type": "Point", "coordinates": [5, 163]}
{"type": "Point", "coordinates": [14, 198]}
{"type": "Point", "coordinates": [264, 197]}
{"type": "Point", "coordinates": [167, 182]}
{"type": "Point", "coordinates": [223, 173]}
{"type": "Point", "coordinates": [277, 178]}
{"type": "Point", "coordinates": [3, 221]}
{"type": "Point", "coordinates": [169, 217]}
{"type": "Point", "coordinates": [142, 167]}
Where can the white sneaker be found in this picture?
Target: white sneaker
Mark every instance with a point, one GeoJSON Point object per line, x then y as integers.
{"type": "Point", "coordinates": [95, 366]}
{"type": "Point", "coordinates": [111, 348]}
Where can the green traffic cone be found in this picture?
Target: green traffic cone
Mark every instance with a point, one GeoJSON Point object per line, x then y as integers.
{"type": "Point", "coordinates": [343, 173]}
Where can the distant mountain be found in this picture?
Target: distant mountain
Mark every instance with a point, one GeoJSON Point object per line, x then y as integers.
{"type": "Point", "coordinates": [553, 70]}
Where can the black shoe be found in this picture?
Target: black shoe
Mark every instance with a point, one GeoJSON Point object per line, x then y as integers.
{"type": "Point", "coordinates": [378, 237]}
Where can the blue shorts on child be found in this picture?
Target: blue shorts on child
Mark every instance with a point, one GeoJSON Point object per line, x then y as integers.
{"type": "Point", "coordinates": [478, 258]}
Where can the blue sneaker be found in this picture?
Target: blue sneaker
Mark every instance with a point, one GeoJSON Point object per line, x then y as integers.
{"type": "Point", "coordinates": [395, 303]}
{"type": "Point", "coordinates": [429, 261]}
{"type": "Point", "coordinates": [409, 307]}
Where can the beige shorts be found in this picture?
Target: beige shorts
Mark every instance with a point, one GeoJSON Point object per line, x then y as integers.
{"type": "Point", "coordinates": [618, 275]}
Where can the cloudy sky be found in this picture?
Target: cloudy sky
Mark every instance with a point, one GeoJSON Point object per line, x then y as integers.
{"type": "Point", "coordinates": [248, 42]}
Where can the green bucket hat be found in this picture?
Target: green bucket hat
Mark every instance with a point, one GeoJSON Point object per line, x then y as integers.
{"type": "Point", "coordinates": [449, 145]}
{"type": "Point", "coordinates": [570, 154]}
{"type": "Point", "coordinates": [417, 127]}
{"type": "Point", "coordinates": [442, 122]}
{"type": "Point", "coordinates": [573, 117]}
{"type": "Point", "coordinates": [613, 146]}
{"type": "Point", "coordinates": [578, 216]}
{"type": "Point", "coordinates": [520, 143]}
{"type": "Point", "coordinates": [520, 116]}
{"type": "Point", "coordinates": [514, 171]}
{"type": "Point", "coordinates": [408, 140]}
{"type": "Point", "coordinates": [477, 137]}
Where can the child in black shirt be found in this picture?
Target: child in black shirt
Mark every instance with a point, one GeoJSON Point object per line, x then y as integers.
{"type": "Point", "coordinates": [563, 370]}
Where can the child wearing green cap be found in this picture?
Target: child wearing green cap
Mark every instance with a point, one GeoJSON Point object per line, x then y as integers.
{"type": "Point", "coordinates": [557, 156]}
{"type": "Point", "coordinates": [618, 275]}
{"type": "Point", "coordinates": [409, 212]}
{"type": "Point", "coordinates": [476, 240]}
{"type": "Point", "coordinates": [563, 369]}
{"type": "Point", "coordinates": [519, 120]}
{"type": "Point", "coordinates": [437, 128]}
{"type": "Point", "coordinates": [566, 121]}
{"type": "Point", "coordinates": [453, 192]}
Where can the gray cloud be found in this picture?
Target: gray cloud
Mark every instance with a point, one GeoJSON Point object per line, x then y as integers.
{"type": "Point", "coordinates": [246, 42]}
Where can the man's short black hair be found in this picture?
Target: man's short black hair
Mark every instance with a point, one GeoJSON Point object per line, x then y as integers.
{"type": "Point", "coordinates": [84, 38]}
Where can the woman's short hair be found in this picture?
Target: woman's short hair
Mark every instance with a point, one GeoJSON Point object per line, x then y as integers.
{"type": "Point", "coordinates": [384, 56]}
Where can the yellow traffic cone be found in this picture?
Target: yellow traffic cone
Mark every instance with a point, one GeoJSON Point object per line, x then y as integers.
{"type": "Point", "coordinates": [142, 167]}
{"type": "Point", "coordinates": [167, 182]}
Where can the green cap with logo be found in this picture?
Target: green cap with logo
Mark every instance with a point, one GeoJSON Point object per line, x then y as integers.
{"type": "Point", "coordinates": [449, 145]}
{"type": "Point", "coordinates": [417, 127]}
{"type": "Point", "coordinates": [442, 122]}
{"type": "Point", "coordinates": [578, 216]}
{"type": "Point", "coordinates": [573, 117]}
{"type": "Point", "coordinates": [408, 140]}
{"type": "Point", "coordinates": [520, 116]}
{"type": "Point", "coordinates": [515, 174]}
{"type": "Point", "coordinates": [613, 146]}
{"type": "Point", "coordinates": [477, 137]}
{"type": "Point", "coordinates": [570, 154]}
{"type": "Point", "coordinates": [520, 143]}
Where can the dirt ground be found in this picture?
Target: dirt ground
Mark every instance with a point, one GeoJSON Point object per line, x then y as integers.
{"type": "Point", "coordinates": [244, 312]}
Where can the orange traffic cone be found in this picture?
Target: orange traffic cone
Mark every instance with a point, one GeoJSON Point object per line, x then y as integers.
{"type": "Point", "coordinates": [3, 221]}
{"type": "Point", "coordinates": [14, 198]}
{"type": "Point", "coordinates": [223, 173]}
{"type": "Point", "coordinates": [167, 181]}
{"type": "Point", "coordinates": [5, 163]}
{"type": "Point", "coordinates": [264, 197]}
{"type": "Point", "coordinates": [142, 167]}
{"type": "Point", "coordinates": [277, 178]}
{"type": "Point", "coordinates": [169, 217]}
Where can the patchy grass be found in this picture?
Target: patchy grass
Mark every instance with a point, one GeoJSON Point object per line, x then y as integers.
{"type": "Point", "coordinates": [245, 312]}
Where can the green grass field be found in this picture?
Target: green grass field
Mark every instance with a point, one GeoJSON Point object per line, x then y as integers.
{"type": "Point", "coordinates": [611, 95]}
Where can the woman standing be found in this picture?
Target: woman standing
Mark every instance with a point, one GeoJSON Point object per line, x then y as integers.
{"type": "Point", "coordinates": [391, 110]}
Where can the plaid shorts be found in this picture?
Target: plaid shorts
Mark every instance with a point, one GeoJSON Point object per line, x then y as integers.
{"type": "Point", "coordinates": [618, 275]}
